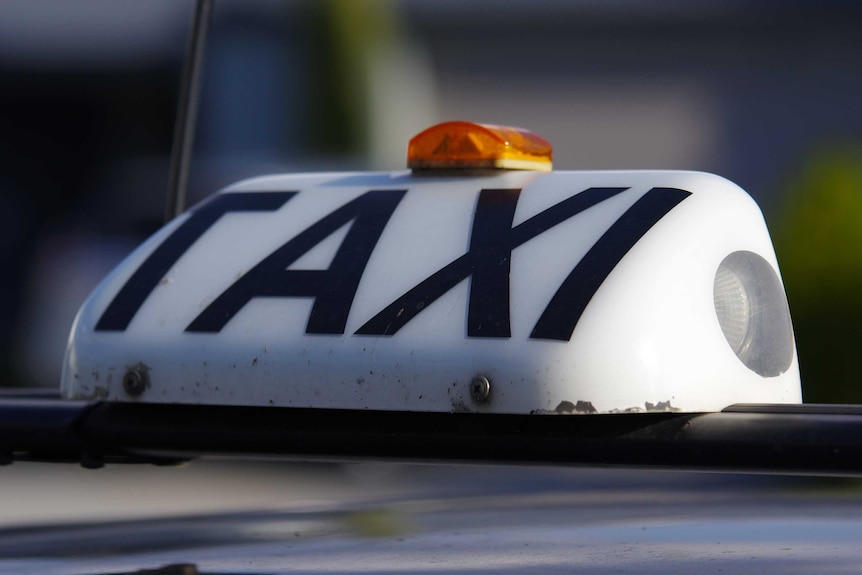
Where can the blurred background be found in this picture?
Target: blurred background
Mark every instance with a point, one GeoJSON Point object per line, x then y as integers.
{"type": "Point", "coordinates": [766, 94]}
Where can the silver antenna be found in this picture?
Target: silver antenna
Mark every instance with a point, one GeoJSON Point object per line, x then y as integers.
{"type": "Point", "coordinates": [187, 110]}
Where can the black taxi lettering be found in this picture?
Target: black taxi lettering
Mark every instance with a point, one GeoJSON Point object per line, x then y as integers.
{"type": "Point", "coordinates": [487, 263]}
{"type": "Point", "coordinates": [136, 290]}
{"type": "Point", "coordinates": [560, 317]}
{"type": "Point", "coordinates": [333, 289]}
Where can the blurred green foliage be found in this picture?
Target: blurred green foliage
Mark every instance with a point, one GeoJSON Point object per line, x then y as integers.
{"type": "Point", "coordinates": [817, 232]}
{"type": "Point", "coordinates": [346, 35]}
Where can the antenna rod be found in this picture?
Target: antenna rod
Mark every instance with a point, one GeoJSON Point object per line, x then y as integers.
{"type": "Point", "coordinates": [187, 110]}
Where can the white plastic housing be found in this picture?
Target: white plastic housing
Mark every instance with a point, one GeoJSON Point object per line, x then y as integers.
{"type": "Point", "coordinates": [648, 337]}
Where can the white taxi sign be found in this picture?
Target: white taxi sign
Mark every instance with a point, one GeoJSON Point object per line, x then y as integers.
{"type": "Point", "coordinates": [495, 292]}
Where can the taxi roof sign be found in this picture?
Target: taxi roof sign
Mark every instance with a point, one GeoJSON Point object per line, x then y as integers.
{"type": "Point", "coordinates": [468, 145]}
{"type": "Point", "coordinates": [569, 292]}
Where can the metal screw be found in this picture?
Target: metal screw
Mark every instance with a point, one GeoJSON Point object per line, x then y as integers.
{"type": "Point", "coordinates": [480, 389]}
{"type": "Point", "coordinates": [134, 382]}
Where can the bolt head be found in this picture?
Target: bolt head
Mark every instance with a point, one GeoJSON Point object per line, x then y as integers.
{"type": "Point", "coordinates": [480, 389]}
{"type": "Point", "coordinates": [134, 382]}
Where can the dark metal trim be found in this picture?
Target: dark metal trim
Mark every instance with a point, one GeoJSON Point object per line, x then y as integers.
{"type": "Point", "coordinates": [806, 439]}
{"type": "Point", "coordinates": [789, 408]}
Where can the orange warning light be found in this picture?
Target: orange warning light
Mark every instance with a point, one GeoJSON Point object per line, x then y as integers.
{"type": "Point", "coordinates": [469, 145]}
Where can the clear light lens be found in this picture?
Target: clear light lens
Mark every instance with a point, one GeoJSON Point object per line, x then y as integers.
{"type": "Point", "coordinates": [753, 314]}
{"type": "Point", "coordinates": [732, 305]}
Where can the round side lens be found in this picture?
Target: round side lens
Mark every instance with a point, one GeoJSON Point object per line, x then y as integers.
{"type": "Point", "coordinates": [753, 314]}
